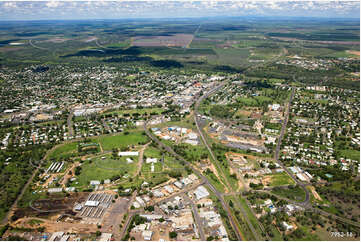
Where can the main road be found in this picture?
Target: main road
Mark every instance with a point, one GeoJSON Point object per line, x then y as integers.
{"type": "Point", "coordinates": [206, 181]}
{"type": "Point", "coordinates": [196, 120]}
{"type": "Point", "coordinates": [196, 218]}
{"type": "Point", "coordinates": [70, 123]}
{"type": "Point", "coordinates": [278, 147]}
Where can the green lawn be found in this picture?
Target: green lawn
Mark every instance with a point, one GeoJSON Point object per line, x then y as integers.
{"type": "Point", "coordinates": [320, 101]}
{"type": "Point", "coordinates": [170, 162]}
{"type": "Point", "coordinates": [185, 123]}
{"type": "Point", "coordinates": [243, 225]}
{"type": "Point", "coordinates": [251, 216]}
{"type": "Point", "coordinates": [232, 181]}
{"type": "Point", "coordinates": [158, 167]}
{"type": "Point", "coordinates": [281, 179]}
{"type": "Point", "coordinates": [152, 152]}
{"type": "Point", "coordinates": [350, 154]}
{"type": "Point", "coordinates": [122, 141]}
{"type": "Point", "coordinates": [99, 169]}
{"type": "Point", "coordinates": [295, 193]}
{"type": "Point", "coordinates": [139, 111]}
{"type": "Point", "coordinates": [64, 151]}
{"type": "Point", "coordinates": [34, 222]}
{"type": "Point", "coordinates": [263, 99]}
{"type": "Point", "coordinates": [247, 101]}
{"type": "Point", "coordinates": [276, 234]}
{"type": "Point", "coordinates": [215, 182]}
{"type": "Point", "coordinates": [80, 118]}
{"type": "Point", "coordinates": [155, 178]}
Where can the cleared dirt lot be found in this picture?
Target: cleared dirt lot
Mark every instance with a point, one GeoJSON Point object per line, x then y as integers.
{"type": "Point", "coordinates": [49, 207]}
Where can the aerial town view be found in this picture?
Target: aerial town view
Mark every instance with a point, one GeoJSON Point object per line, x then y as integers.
{"type": "Point", "coordinates": [180, 120]}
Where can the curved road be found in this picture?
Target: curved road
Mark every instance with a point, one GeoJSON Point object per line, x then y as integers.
{"type": "Point", "coordinates": [37, 47]}
{"type": "Point", "coordinates": [316, 210]}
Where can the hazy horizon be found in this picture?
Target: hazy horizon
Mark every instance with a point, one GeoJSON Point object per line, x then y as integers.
{"type": "Point", "coordinates": [102, 10]}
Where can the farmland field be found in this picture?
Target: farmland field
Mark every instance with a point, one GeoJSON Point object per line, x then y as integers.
{"type": "Point", "coordinates": [127, 71]}
{"type": "Point", "coordinates": [230, 56]}
{"type": "Point", "coordinates": [181, 40]}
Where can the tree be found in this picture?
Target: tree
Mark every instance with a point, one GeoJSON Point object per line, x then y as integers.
{"type": "Point", "coordinates": [172, 234]}
{"type": "Point", "coordinates": [15, 238]}
{"type": "Point", "coordinates": [149, 208]}
{"type": "Point", "coordinates": [98, 233]}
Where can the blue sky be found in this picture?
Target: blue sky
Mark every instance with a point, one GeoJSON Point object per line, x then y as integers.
{"type": "Point", "coordinates": [37, 10]}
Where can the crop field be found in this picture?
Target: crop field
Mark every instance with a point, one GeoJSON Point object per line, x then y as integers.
{"type": "Point", "coordinates": [265, 53]}
{"type": "Point", "coordinates": [200, 45]}
{"type": "Point", "coordinates": [317, 36]}
{"type": "Point", "coordinates": [181, 40]}
{"type": "Point", "coordinates": [230, 56]}
{"type": "Point", "coordinates": [204, 43]}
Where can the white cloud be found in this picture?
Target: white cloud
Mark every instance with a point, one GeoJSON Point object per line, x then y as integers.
{"type": "Point", "coordinates": [177, 8]}
{"type": "Point", "coordinates": [10, 5]}
{"type": "Point", "coordinates": [273, 5]}
{"type": "Point", "coordinates": [53, 4]}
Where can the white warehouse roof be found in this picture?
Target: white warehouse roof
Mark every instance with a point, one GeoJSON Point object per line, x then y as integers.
{"type": "Point", "coordinates": [129, 153]}
{"type": "Point", "coordinates": [201, 192]}
{"type": "Point", "coordinates": [92, 203]}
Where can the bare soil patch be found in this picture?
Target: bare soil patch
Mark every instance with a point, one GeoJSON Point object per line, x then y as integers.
{"type": "Point", "coordinates": [90, 39]}
{"type": "Point", "coordinates": [56, 40]}
{"type": "Point", "coordinates": [354, 52]}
